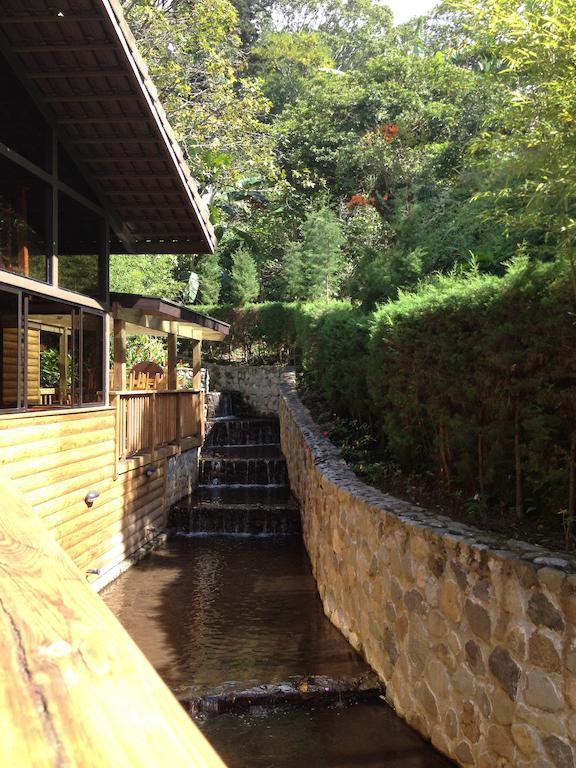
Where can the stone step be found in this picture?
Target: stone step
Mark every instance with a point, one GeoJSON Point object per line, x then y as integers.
{"type": "Point", "coordinates": [310, 690]}
{"type": "Point", "coordinates": [238, 520]}
{"type": "Point", "coordinates": [243, 470]}
{"type": "Point", "coordinates": [241, 431]}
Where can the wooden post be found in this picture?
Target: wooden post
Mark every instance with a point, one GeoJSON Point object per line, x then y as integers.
{"type": "Point", "coordinates": [196, 363]}
{"type": "Point", "coordinates": [152, 425]}
{"type": "Point", "coordinates": [172, 360]}
{"type": "Point", "coordinates": [63, 366]}
{"type": "Point", "coordinates": [119, 355]}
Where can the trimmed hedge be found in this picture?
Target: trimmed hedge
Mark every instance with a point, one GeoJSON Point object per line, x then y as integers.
{"type": "Point", "coordinates": [470, 377]}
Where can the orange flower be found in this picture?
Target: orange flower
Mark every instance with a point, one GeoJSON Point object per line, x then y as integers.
{"type": "Point", "coordinates": [359, 200]}
{"type": "Point", "coordinates": [389, 131]}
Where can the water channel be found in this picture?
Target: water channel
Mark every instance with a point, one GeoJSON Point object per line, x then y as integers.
{"type": "Point", "coordinates": [243, 607]}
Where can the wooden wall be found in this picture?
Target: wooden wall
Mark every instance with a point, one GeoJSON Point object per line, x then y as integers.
{"type": "Point", "coordinates": [54, 459]}
{"type": "Point", "coordinates": [10, 365]}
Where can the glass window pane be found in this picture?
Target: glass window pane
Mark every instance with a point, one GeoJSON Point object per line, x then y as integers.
{"type": "Point", "coordinates": [81, 239]}
{"type": "Point", "coordinates": [51, 353]}
{"type": "Point", "coordinates": [11, 354]}
{"type": "Point", "coordinates": [23, 215]}
{"type": "Point", "coordinates": [92, 358]}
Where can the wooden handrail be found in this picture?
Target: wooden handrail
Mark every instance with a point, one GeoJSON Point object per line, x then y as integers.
{"type": "Point", "coordinates": [75, 689]}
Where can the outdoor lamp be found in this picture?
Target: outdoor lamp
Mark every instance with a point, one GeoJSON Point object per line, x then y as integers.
{"type": "Point", "coordinates": [91, 497]}
{"type": "Point", "coordinates": [151, 471]}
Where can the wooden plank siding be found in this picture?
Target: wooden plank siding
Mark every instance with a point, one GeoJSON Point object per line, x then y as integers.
{"type": "Point", "coordinates": [75, 689]}
{"type": "Point", "coordinates": [10, 365]}
{"type": "Point", "coordinates": [54, 459]}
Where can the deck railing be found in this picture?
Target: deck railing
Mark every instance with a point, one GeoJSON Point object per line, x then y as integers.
{"type": "Point", "coordinates": [149, 423]}
{"type": "Point", "coordinates": [75, 690]}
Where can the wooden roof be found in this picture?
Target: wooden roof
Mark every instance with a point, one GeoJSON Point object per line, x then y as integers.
{"type": "Point", "coordinates": [149, 314]}
{"type": "Point", "coordinates": [79, 60]}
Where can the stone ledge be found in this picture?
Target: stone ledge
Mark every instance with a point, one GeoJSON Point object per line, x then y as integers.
{"type": "Point", "coordinates": [473, 634]}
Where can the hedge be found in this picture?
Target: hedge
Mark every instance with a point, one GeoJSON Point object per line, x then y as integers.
{"type": "Point", "coordinates": [469, 377]}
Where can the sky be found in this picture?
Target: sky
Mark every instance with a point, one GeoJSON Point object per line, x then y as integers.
{"type": "Point", "coordinates": [406, 9]}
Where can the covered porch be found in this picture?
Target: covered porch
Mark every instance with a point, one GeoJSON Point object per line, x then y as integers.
{"type": "Point", "coordinates": [164, 416]}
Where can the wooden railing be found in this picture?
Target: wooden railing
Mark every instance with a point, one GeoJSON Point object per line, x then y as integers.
{"type": "Point", "coordinates": [148, 422]}
{"type": "Point", "coordinates": [75, 689]}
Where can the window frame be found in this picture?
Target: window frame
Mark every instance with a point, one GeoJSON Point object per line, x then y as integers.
{"type": "Point", "coordinates": [77, 312]}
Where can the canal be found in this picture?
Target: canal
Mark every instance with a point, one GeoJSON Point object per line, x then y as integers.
{"type": "Point", "coordinates": [211, 609]}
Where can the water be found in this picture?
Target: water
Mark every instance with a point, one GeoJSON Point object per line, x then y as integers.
{"type": "Point", "coordinates": [209, 610]}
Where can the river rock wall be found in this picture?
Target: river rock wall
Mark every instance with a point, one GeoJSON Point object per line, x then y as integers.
{"type": "Point", "coordinates": [181, 476]}
{"type": "Point", "coordinates": [258, 384]}
{"type": "Point", "coordinates": [474, 636]}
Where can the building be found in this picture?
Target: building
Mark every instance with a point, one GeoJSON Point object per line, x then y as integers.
{"type": "Point", "coordinates": [89, 166]}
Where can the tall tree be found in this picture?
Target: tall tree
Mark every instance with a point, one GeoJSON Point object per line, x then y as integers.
{"type": "Point", "coordinates": [244, 277]}
{"type": "Point", "coordinates": [210, 274]}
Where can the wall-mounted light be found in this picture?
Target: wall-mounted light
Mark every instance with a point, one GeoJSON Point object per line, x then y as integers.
{"type": "Point", "coordinates": [151, 471]}
{"type": "Point", "coordinates": [91, 497]}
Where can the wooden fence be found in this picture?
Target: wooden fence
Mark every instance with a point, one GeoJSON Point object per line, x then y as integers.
{"type": "Point", "coordinates": [150, 422]}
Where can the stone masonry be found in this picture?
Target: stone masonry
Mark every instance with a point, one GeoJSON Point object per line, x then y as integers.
{"type": "Point", "coordinates": [474, 636]}
{"type": "Point", "coordinates": [258, 384]}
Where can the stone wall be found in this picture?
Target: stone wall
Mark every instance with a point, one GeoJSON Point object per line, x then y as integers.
{"type": "Point", "coordinates": [473, 636]}
{"type": "Point", "coordinates": [181, 476]}
{"type": "Point", "coordinates": [257, 383]}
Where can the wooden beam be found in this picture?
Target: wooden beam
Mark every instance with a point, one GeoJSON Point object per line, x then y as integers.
{"type": "Point", "coordinates": [172, 361]}
{"type": "Point", "coordinates": [196, 364]}
{"type": "Point", "coordinates": [33, 286]}
{"type": "Point", "coordinates": [105, 45]}
{"type": "Point", "coordinates": [122, 119]}
{"type": "Point", "coordinates": [56, 18]}
{"type": "Point", "coordinates": [80, 73]}
{"type": "Point", "coordinates": [119, 355]}
{"type": "Point", "coordinates": [75, 98]}
{"type": "Point", "coordinates": [71, 673]}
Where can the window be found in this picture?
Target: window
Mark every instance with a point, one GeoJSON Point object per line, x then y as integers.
{"type": "Point", "coordinates": [23, 201]}
{"type": "Point", "coordinates": [52, 353]}
{"type": "Point", "coordinates": [80, 248]}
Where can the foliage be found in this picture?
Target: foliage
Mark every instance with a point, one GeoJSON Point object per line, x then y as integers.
{"type": "Point", "coordinates": [244, 277]}
{"type": "Point", "coordinates": [210, 274]}
{"type": "Point", "coordinates": [194, 55]}
{"type": "Point", "coordinates": [313, 266]}
{"type": "Point", "coordinates": [146, 275]}
{"type": "Point", "coordinates": [49, 367]}
{"type": "Point", "coordinates": [479, 382]}
{"type": "Point", "coordinates": [528, 150]}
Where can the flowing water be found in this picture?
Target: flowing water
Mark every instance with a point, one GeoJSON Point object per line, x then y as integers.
{"type": "Point", "coordinates": [207, 609]}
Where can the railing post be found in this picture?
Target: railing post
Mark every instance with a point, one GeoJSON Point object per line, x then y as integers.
{"type": "Point", "coordinates": [152, 425]}
{"type": "Point", "coordinates": [119, 432]}
{"type": "Point", "coordinates": [172, 382]}
{"type": "Point", "coordinates": [179, 419]}
{"type": "Point", "coordinates": [119, 380]}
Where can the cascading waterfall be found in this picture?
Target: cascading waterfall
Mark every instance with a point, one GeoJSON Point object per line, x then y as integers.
{"type": "Point", "coordinates": [243, 479]}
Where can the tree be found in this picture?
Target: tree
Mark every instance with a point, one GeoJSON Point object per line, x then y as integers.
{"type": "Point", "coordinates": [195, 59]}
{"type": "Point", "coordinates": [244, 277]}
{"type": "Point", "coordinates": [147, 275]}
{"type": "Point", "coordinates": [285, 60]}
{"type": "Point", "coordinates": [527, 153]}
{"type": "Point", "coordinates": [312, 267]}
{"type": "Point", "coordinates": [210, 274]}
